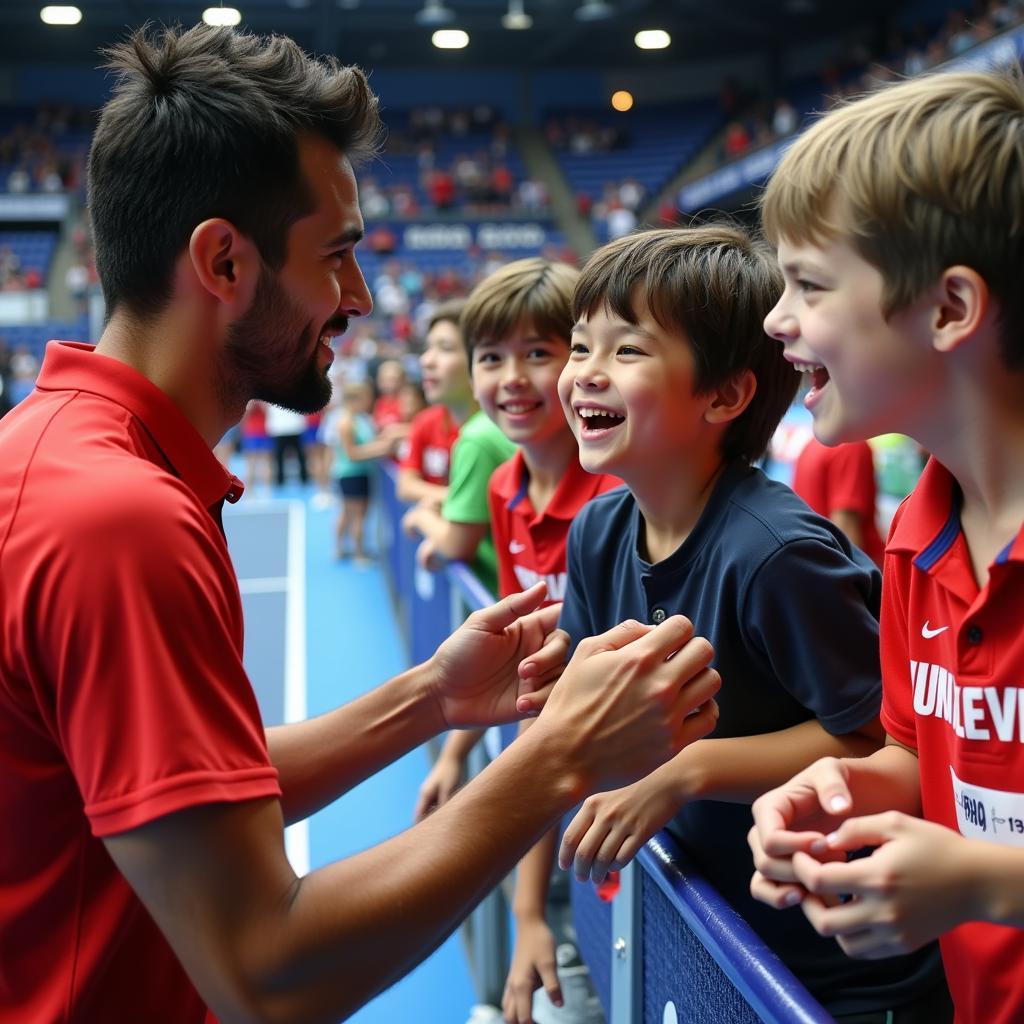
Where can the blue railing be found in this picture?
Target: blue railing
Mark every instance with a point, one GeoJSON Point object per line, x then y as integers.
{"type": "Point", "coordinates": [667, 938]}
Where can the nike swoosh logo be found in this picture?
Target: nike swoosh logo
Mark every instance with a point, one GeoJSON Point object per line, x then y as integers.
{"type": "Point", "coordinates": [515, 547]}
{"type": "Point", "coordinates": [929, 633]}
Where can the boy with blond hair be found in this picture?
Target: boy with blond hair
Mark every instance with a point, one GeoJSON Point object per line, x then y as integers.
{"type": "Point", "coordinates": [899, 221]}
{"type": "Point", "coordinates": [673, 385]}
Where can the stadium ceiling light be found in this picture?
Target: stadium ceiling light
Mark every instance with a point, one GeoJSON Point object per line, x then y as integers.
{"type": "Point", "coordinates": [61, 15]}
{"type": "Point", "coordinates": [222, 16]}
{"type": "Point", "coordinates": [652, 39]}
{"type": "Point", "coordinates": [450, 39]}
{"type": "Point", "coordinates": [434, 12]}
{"type": "Point", "coordinates": [516, 19]}
{"type": "Point", "coordinates": [593, 10]}
{"type": "Point", "coordinates": [622, 100]}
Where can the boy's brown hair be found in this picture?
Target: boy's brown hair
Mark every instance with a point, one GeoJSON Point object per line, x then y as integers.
{"type": "Point", "coordinates": [920, 176]}
{"type": "Point", "coordinates": [449, 312]}
{"type": "Point", "coordinates": [533, 292]}
{"type": "Point", "coordinates": [713, 285]}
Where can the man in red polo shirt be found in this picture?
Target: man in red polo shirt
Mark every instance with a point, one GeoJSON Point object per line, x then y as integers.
{"type": "Point", "coordinates": [143, 876]}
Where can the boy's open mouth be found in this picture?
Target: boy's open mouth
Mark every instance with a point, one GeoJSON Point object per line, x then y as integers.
{"type": "Point", "coordinates": [815, 373]}
{"type": "Point", "coordinates": [597, 418]}
{"type": "Point", "coordinates": [519, 407]}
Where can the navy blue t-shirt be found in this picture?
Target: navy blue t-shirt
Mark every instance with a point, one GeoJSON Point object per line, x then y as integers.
{"type": "Point", "coordinates": [791, 608]}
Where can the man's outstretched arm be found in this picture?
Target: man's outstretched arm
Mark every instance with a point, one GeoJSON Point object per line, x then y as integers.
{"type": "Point", "coordinates": [264, 945]}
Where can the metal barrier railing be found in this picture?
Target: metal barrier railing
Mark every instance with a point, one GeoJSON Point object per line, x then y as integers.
{"type": "Point", "coordinates": [668, 947]}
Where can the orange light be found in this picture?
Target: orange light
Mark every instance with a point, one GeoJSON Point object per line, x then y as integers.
{"type": "Point", "coordinates": [622, 100]}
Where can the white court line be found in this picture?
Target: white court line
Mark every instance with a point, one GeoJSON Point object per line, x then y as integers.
{"type": "Point", "coordinates": [296, 837]}
{"type": "Point", "coordinates": [264, 584]}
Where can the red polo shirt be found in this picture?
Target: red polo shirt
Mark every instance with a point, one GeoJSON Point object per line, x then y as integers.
{"type": "Point", "coordinates": [122, 692]}
{"type": "Point", "coordinates": [841, 479]}
{"type": "Point", "coordinates": [531, 546]}
{"type": "Point", "coordinates": [431, 436]}
{"type": "Point", "coordinates": [953, 684]}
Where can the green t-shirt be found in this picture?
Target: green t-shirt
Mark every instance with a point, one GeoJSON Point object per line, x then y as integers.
{"type": "Point", "coordinates": [479, 451]}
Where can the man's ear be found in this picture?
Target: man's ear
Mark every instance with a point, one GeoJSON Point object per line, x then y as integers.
{"type": "Point", "coordinates": [226, 263]}
{"type": "Point", "coordinates": [962, 303]}
{"type": "Point", "coordinates": [729, 399]}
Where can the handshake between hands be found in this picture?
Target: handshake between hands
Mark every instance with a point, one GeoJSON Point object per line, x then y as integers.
{"type": "Point", "coordinates": [628, 700]}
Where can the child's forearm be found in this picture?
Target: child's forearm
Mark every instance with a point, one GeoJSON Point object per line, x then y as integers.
{"type": "Point", "coordinates": [740, 769]}
{"type": "Point", "coordinates": [533, 877]}
{"type": "Point", "coordinates": [999, 871]}
{"type": "Point", "coordinates": [459, 743]}
{"type": "Point", "coordinates": [411, 487]}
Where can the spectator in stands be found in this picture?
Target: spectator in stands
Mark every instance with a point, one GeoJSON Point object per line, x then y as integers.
{"type": "Point", "coordinates": [737, 140]}
{"type": "Point", "coordinates": [423, 472]}
{"type": "Point", "coordinates": [784, 118]}
{"type": "Point", "coordinates": [147, 877]}
{"type": "Point", "coordinates": [355, 444]}
{"type": "Point", "coordinates": [659, 392]}
{"type": "Point", "coordinates": [389, 378]}
{"type": "Point", "coordinates": [839, 484]}
{"type": "Point", "coordinates": [286, 430]}
{"type": "Point", "coordinates": [914, 323]}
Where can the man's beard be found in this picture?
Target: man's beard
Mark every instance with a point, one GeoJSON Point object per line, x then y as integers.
{"type": "Point", "coordinates": [267, 357]}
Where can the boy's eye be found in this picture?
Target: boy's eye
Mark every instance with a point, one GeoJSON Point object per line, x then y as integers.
{"type": "Point", "coordinates": [629, 350]}
{"type": "Point", "coordinates": [807, 286]}
{"type": "Point", "coordinates": [486, 357]}
{"type": "Point", "coordinates": [578, 348]}
{"type": "Point", "coordinates": [538, 354]}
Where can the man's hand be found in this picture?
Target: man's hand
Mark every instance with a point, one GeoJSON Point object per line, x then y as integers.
{"type": "Point", "coordinates": [610, 828]}
{"type": "Point", "coordinates": [918, 884]}
{"type": "Point", "coordinates": [533, 965]}
{"type": "Point", "coordinates": [628, 701]}
{"type": "Point", "coordinates": [500, 663]}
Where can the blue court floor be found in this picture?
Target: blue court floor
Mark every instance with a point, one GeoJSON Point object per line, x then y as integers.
{"type": "Point", "coordinates": [319, 633]}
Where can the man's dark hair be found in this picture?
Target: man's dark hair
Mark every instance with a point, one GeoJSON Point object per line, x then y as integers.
{"type": "Point", "coordinates": [713, 285]}
{"type": "Point", "coordinates": [204, 123]}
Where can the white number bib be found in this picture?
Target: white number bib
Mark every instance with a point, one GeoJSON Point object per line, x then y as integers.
{"type": "Point", "coordinates": [991, 814]}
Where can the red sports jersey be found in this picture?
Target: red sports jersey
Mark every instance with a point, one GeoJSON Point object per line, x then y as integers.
{"type": "Point", "coordinates": [431, 436]}
{"type": "Point", "coordinates": [122, 692]}
{"type": "Point", "coordinates": [953, 678]}
{"type": "Point", "coordinates": [531, 547]}
{"type": "Point", "coordinates": [841, 479]}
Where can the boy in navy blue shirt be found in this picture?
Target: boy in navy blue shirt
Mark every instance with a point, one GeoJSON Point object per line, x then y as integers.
{"type": "Point", "coordinates": [673, 386]}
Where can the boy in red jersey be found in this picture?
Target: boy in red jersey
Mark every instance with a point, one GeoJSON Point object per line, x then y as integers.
{"type": "Point", "coordinates": [900, 228]}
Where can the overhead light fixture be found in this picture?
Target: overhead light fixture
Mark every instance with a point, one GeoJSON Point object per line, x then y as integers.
{"type": "Point", "coordinates": [516, 19]}
{"type": "Point", "coordinates": [652, 39]}
{"type": "Point", "coordinates": [450, 39]}
{"type": "Point", "coordinates": [593, 10]}
{"type": "Point", "coordinates": [221, 16]}
{"type": "Point", "coordinates": [434, 12]}
{"type": "Point", "coordinates": [61, 15]}
{"type": "Point", "coordinates": [622, 100]}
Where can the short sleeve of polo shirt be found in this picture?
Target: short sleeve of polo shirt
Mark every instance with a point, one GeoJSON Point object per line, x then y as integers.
{"type": "Point", "coordinates": [576, 617]}
{"type": "Point", "coordinates": [151, 701]}
{"type": "Point", "coordinates": [851, 480]}
{"type": "Point", "coordinates": [811, 609]}
{"type": "Point", "coordinates": [476, 455]}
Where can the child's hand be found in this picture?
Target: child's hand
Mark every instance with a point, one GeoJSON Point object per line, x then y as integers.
{"type": "Point", "coordinates": [919, 883]}
{"type": "Point", "coordinates": [610, 828]}
{"type": "Point", "coordinates": [427, 556]}
{"type": "Point", "coordinates": [439, 786]}
{"type": "Point", "coordinates": [796, 817]}
{"type": "Point", "coordinates": [533, 965]}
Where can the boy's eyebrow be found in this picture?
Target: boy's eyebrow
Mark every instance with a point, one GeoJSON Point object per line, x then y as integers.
{"type": "Point", "coordinates": [617, 331]}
